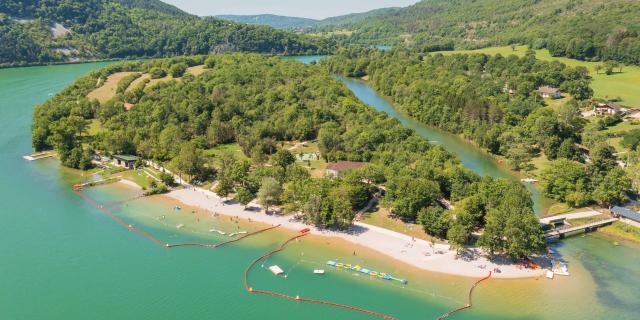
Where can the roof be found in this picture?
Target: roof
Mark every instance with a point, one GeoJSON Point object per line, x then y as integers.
{"type": "Point", "coordinates": [125, 157]}
{"type": "Point", "coordinates": [344, 165]}
{"type": "Point", "coordinates": [549, 90]}
{"type": "Point", "coordinates": [626, 213]}
{"type": "Point", "coordinates": [128, 106]}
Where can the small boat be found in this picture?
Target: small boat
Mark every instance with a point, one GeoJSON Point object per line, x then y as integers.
{"type": "Point", "coordinates": [365, 270]}
{"type": "Point", "coordinates": [373, 273]}
{"type": "Point", "coordinates": [232, 234]}
{"type": "Point", "coordinates": [276, 270]}
{"type": "Point", "coordinates": [561, 269]}
{"type": "Point", "coordinates": [339, 265]}
{"type": "Point", "coordinates": [318, 271]}
{"type": "Point", "coordinates": [331, 263]}
{"type": "Point", "coordinates": [241, 232]}
{"type": "Point", "coordinates": [357, 267]}
{"type": "Point", "coordinates": [180, 226]}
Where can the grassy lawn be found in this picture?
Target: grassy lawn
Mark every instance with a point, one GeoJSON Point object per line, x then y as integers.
{"type": "Point", "coordinates": [539, 163]}
{"type": "Point", "coordinates": [623, 85]}
{"type": "Point", "coordinates": [381, 218]}
{"type": "Point", "coordinates": [233, 148]}
{"type": "Point", "coordinates": [94, 127]}
{"type": "Point", "coordinates": [623, 231]}
{"type": "Point", "coordinates": [108, 90]}
{"type": "Point", "coordinates": [562, 208]}
{"type": "Point", "coordinates": [317, 168]}
{"type": "Point", "coordinates": [138, 81]}
{"type": "Point", "coordinates": [196, 70]}
{"type": "Point", "coordinates": [582, 221]}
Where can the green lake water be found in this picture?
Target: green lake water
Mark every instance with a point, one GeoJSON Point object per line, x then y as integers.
{"type": "Point", "coordinates": [62, 258]}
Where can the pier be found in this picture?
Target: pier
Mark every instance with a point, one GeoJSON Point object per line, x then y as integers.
{"type": "Point", "coordinates": [557, 234]}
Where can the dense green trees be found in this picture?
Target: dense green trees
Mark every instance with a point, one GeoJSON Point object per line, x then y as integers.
{"type": "Point", "coordinates": [125, 28]}
{"type": "Point", "coordinates": [601, 181]}
{"type": "Point", "coordinates": [491, 100]}
{"type": "Point", "coordinates": [257, 102]}
{"type": "Point", "coordinates": [585, 30]}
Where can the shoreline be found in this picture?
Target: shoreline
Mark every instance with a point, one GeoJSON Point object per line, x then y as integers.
{"type": "Point", "coordinates": [417, 253]}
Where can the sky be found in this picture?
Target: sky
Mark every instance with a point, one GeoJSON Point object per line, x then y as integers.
{"type": "Point", "coordinates": [316, 9]}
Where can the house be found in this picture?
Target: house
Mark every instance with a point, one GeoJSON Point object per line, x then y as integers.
{"type": "Point", "coordinates": [549, 92]}
{"type": "Point", "coordinates": [609, 109]}
{"type": "Point", "coordinates": [336, 168]}
{"type": "Point", "coordinates": [625, 214]}
{"type": "Point", "coordinates": [128, 106]}
{"type": "Point", "coordinates": [125, 161]}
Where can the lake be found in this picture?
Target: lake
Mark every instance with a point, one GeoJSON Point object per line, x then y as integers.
{"type": "Point", "coordinates": [62, 258]}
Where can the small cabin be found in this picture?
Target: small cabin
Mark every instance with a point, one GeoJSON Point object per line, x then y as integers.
{"type": "Point", "coordinates": [609, 109]}
{"type": "Point", "coordinates": [549, 92]}
{"type": "Point", "coordinates": [337, 168]}
{"type": "Point", "coordinates": [125, 161]}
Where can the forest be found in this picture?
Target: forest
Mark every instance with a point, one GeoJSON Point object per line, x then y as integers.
{"type": "Point", "coordinates": [260, 103]}
{"type": "Point", "coordinates": [579, 29]}
{"type": "Point", "coordinates": [493, 101]}
{"type": "Point", "coordinates": [102, 29]}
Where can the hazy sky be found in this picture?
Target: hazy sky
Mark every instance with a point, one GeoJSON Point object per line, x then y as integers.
{"type": "Point", "coordinates": [317, 9]}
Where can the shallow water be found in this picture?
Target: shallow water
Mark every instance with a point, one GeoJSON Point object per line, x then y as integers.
{"type": "Point", "coordinates": [62, 258]}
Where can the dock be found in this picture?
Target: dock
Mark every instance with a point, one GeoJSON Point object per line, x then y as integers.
{"type": "Point", "coordinates": [557, 234]}
{"type": "Point", "coordinates": [37, 156]}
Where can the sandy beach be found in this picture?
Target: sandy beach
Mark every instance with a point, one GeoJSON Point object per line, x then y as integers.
{"type": "Point", "coordinates": [415, 252]}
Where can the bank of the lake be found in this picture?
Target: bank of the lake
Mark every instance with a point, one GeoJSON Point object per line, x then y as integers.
{"type": "Point", "coordinates": [63, 259]}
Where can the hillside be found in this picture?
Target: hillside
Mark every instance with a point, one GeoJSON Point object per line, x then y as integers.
{"type": "Point", "coordinates": [581, 29]}
{"type": "Point", "coordinates": [275, 21]}
{"type": "Point", "coordinates": [69, 30]}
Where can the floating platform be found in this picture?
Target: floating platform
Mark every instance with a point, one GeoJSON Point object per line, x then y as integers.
{"type": "Point", "coordinates": [37, 156]}
{"type": "Point", "coordinates": [276, 270]}
{"type": "Point", "coordinates": [358, 268]}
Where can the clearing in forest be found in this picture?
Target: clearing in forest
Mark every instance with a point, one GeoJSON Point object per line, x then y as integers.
{"type": "Point", "coordinates": [108, 89]}
{"type": "Point", "coordinates": [622, 85]}
{"type": "Point", "coordinates": [196, 71]}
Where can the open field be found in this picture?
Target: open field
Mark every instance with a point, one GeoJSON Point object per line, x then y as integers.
{"type": "Point", "coordinates": [623, 85]}
{"type": "Point", "coordinates": [622, 230]}
{"type": "Point", "coordinates": [196, 71]}
{"type": "Point", "coordinates": [108, 90]}
{"type": "Point", "coordinates": [233, 148]}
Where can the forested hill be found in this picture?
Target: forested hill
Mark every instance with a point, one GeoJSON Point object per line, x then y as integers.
{"type": "Point", "coordinates": [278, 22]}
{"type": "Point", "coordinates": [284, 22]}
{"type": "Point", "coordinates": [48, 31]}
{"type": "Point", "coordinates": [581, 29]}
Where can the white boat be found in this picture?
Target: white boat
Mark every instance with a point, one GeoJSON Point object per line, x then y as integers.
{"type": "Point", "coordinates": [318, 271]}
{"type": "Point", "coordinates": [180, 226]}
{"type": "Point", "coordinates": [550, 274]}
{"type": "Point", "coordinates": [561, 269]}
{"type": "Point", "coordinates": [276, 270]}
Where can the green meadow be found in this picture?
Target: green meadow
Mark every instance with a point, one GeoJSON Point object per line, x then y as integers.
{"type": "Point", "coordinates": [624, 85]}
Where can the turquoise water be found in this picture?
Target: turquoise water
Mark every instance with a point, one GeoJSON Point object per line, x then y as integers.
{"type": "Point", "coordinates": [61, 258]}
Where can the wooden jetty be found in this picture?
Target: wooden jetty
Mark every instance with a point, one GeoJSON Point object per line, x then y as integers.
{"type": "Point", "coordinates": [557, 234]}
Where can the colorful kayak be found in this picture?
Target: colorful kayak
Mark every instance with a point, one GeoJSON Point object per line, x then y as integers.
{"type": "Point", "coordinates": [358, 268]}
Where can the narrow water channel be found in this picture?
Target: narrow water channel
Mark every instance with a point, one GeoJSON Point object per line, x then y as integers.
{"type": "Point", "coordinates": [471, 157]}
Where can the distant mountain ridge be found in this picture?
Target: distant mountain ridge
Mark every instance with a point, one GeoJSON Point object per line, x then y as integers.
{"type": "Point", "coordinates": [287, 22]}
{"type": "Point", "coordinates": [99, 29]}
{"type": "Point", "coordinates": [276, 21]}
